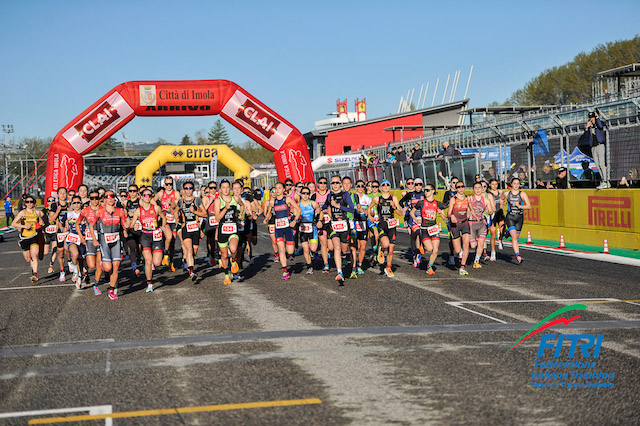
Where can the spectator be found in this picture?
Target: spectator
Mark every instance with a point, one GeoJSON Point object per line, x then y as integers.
{"type": "Point", "coordinates": [633, 178]}
{"type": "Point", "coordinates": [388, 165]}
{"type": "Point", "coordinates": [257, 193]}
{"type": "Point", "coordinates": [448, 151]}
{"type": "Point", "coordinates": [492, 174]}
{"type": "Point", "coordinates": [8, 210]}
{"type": "Point", "coordinates": [404, 168]}
{"type": "Point", "coordinates": [596, 131]}
{"type": "Point", "coordinates": [21, 202]}
{"type": "Point", "coordinates": [547, 176]}
{"type": "Point", "coordinates": [363, 161]}
{"type": "Point", "coordinates": [540, 184]}
{"type": "Point", "coordinates": [416, 155]}
{"type": "Point", "coordinates": [562, 181]}
{"type": "Point", "coordinates": [624, 183]}
{"type": "Point", "coordinates": [374, 159]}
{"type": "Point", "coordinates": [588, 175]}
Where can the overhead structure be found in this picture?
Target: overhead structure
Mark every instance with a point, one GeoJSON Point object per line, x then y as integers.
{"type": "Point", "coordinates": [191, 153]}
{"type": "Point", "coordinates": [175, 98]}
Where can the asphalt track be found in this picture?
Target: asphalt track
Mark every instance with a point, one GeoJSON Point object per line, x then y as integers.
{"type": "Point", "coordinates": [409, 350]}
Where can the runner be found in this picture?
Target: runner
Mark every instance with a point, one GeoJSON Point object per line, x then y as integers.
{"type": "Point", "coordinates": [211, 223]}
{"type": "Point", "coordinates": [480, 206]}
{"type": "Point", "coordinates": [363, 201]}
{"type": "Point", "coordinates": [190, 208]}
{"type": "Point", "coordinates": [326, 245]}
{"type": "Point", "coordinates": [408, 202]}
{"type": "Point", "coordinates": [131, 205]}
{"type": "Point", "coordinates": [272, 225]}
{"type": "Point", "coordinates": [168, 198]}
{"type": "Point", "coordinates": [310, 214]}
{"type": "Point", "coordinates": [424, 214]}
{"type": "Point", "coordinates": [227, 210]}
{"type": "Point", "coordinates": [74, 241]}
{"type": "Point", "coordinates": [50, 230]}
{"type": "Point", "coordinates": [517, 201]}
{"type": "Point", "coordinates": [283, 207]}
{"type": "Point", "coordinates": [83, 193]}
{"type": "Point", "coordinates": [372, 223]}
{"type": "Point", "coordinates": [151, 221]}
{"type": "Point", "coordinates": [29, 221]}
{"type": "Point", "coordinates": [387, 205]}
{"type": "Point", "coordinates": [244, 222]}
{"type": "Point", "coordinates": [497, 219]}
{"type": "Point", "coordinates": [458, 214]}
{"type": "Point", "coordinates": [110, 222]}
{"type": "Point", "coordinates": [448, 195]}
{"type": "Point", "coordinates": [57, 216]}
{"type": "Point", "coordinates": [88, 215]}
{"type": "Point", "coordinates": [338, 205]}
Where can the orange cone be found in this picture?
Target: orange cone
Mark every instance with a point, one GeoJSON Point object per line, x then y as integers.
{"type": "Point", "coordinates": [605, 248]}
{"type": "Point", "coordinates": [528, 237]}
{"type": "Point", "coordinates": [561, 241]}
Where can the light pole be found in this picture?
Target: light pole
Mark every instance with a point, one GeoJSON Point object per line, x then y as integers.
{"type": "Point", "coordinates": [8, 129]}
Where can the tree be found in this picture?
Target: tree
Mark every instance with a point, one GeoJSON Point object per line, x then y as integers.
{"type": "Point", "coordinates": [160, 141]}
{"type": "Point", "coordinates": [218, 134]}
{"type": "Point", "coordinates": [111, 146]}
{"type": "Point", "coordinates": [186, 140]}
{"type": "Point", "coordinates": [201, 138]}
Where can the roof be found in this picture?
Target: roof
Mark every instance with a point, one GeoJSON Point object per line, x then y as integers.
{"type": "Point", "coordinates": [630, 70]}
{"type": "Point", "coordinates": [506, 109]}
{"type": "Point", "coordinates": [430, 110]}
{"type": "Point", "coordinates": [415, 127]}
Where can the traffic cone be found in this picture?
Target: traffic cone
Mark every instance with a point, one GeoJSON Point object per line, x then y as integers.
{"type": "Point", "coordinates": [528, 237]}
{"type": "Point", "coordinates": [605, 248]}
{"type": "Point", "coordinates": [561, 241]}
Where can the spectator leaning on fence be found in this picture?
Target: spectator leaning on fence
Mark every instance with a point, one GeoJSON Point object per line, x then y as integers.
{"type": "Point", "coordinates": [447, 151]}
{"type": "Point", "coordinates": [562, 181]}
{"type": "Point", "coordinates": [416, 155]}
{"type": "Point", "coordinates": [598, 139]}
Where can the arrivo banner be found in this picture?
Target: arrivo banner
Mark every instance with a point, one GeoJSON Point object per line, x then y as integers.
{"type": "Point", "coordinates": [175, 98]}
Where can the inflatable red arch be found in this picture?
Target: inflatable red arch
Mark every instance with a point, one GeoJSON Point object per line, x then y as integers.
{"type": "Point", "coordinates": [175, 98]}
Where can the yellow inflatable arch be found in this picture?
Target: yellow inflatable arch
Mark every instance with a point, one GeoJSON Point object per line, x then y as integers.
{"type": "Point", "coordinates": [191, 153]}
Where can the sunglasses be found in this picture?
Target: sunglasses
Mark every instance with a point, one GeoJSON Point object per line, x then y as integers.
{"type": "Point", "coordinates": [418, 184]}
{"type": "Point", "coordinates": [409, 183]}
{"type": "Point", "coordinates": [109, 196]}
{"type": "Point", "coordinates": [31, 201]}
{"type": "Point", "coordinates": [187, 188]}
{"type": "Point", "coordinates": [376, 186]}
{"type": "Point", "coordinates": [94, 198]}
{"type": "Point", "coordinates": [146, 195]}
{"type": "Point", "coordinates": [386, 184]}
{"type": "Point", "coordinates": [168, 184]}
{"type": "Point", "coordinates": [288, 184]}
{"type": "Point", "coordinates": [336, 183]}
{"type": "Point", "coordinates": [322, 183]}
{"type": "Point", "coordinates": [359, 186]}
{"type": "Point", "coordinates": [459, 186]}
{"type": "Point", "coordinates": [133, 190]}
{"type": "Point", "coordinates": [305, 193]}
{"type": "Point", "coordinates": [51, 200]}
{"type": "Point", "coordinates": [428, 190]}
{"type": "Point", "coordinates": [212, 187]}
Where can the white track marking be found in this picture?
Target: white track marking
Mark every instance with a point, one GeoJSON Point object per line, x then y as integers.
{"type": "Point", "coordinates": [35, 286]}
{"type": "Point", "coordinates": [92, 410]}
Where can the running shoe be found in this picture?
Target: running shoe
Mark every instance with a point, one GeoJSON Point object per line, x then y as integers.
{"type": "Point", "coordinates": [234, 266]}
{"type": "Point", "coordinates": [286, 275]}
{"type": "Point", "coordinates": [417, 260]}
{"type": "Point", "coordinates": [339, 276]}
{"type": "Point", "coordinates": [380, 255]}
{"type": "Point", "coordinates": [430, 271]}
{"type": "Point", "coordinates": [50, 270]}
{"type": "Point", "coordinates": [149, 288]}
{"type": "Point", "coordinates": [227, 279]}
{"type": "Point", "coordinates": [165, 260]}
{"type": "Point", "coordinates": [500, 245]}
{"type": "Point", "coordinates": [34, 279]}
{"type": "Point", "coordinates": [354, 275]}
{"type": "Point", "coordinates": [172, 267]}
{"type": "Point", "coordinates": [463, 271]}
{"type": "Point", "coordinates": [184, 265]}
{"type": "Point", "coordinates": [477, 265]}
{"type": "Point", "coordinates": [193, 277]}
{"type": "Point", "coordinates": [452, 260]}
{"type": "Point", "coordinates": [74, 276]}
{"type": "Point", "coordinates": [153, 267]}
{"type": "Point", "coordinates": [212, 261]}
{"type": "Point", "coordinates": [276, 258]}
{"type": "Point", "coordinates": [325, 270]}
{"type": "Point", "coordinates": [87, 279]}
{"type": "Point", "coordinates": [360, 271]}
{"type": "Point", "coordinates": [63, 278]}
{"type": "Point", "coordinates": [389, 272]}
{"type": "Point", "coordinates": [493, 256]}
{"type": "Point", "coordinates": [96, 290]}
{"type": "Point", "coordinates": [310, 270]}
{"type": "Point", "coordinates": [519, 259]}
{"type": "Point", "coordinates": [78, 282]}
{"type": "Point", "coordinates": [112, 294]}
{"type": "Point", "coordinates": [235, 277]}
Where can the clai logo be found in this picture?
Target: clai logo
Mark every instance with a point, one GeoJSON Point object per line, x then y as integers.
{"type": "Point", "coordinates": [89, 128]}
{"type": "Point", "coordinates": [251, 114]}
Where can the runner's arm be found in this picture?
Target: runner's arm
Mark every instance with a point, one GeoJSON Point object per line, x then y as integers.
{"type": "Point", "coordinates": [527, 203]}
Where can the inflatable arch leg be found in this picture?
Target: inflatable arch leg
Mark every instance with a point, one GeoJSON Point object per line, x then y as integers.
{"type": "Point", "coordinates": [175, 98]}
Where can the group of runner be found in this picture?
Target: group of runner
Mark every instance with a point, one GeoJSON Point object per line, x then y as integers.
{"type": "Point", "coordinates": [94, 230]}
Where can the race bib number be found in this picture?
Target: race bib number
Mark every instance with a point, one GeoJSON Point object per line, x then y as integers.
{"type": "Point", "coordinates": [272, 229]}
{"type": "Point", "coordinates": [112, 237]}
{"type": "Point", "coordinates": [229, 228]}
{"type": "Point", "coordinates": [192, 226]}
{"type": "Point", "coordinates": [213, 221]}
{"type": "Point", "coordinates": [433, 230]}
{"type": "Point", "coordinates": [376, 219]}
{"type": "Point", "coordinates": [392, 223]}
{"type": "Point", "coordinates": [88, 235]}
{"type": "Point", "coordinates": [339, 226]}
{"type": "Point", "coordinates": [360, 226]}
{"type": "Point", "coordinates": [170, 218]}
{"type": "Point", "coordinates": [157, 235]}
{"type": "Point", "coordinates": [306, 228]}
{"type": "Point", "coordinates": [51, 229]}
{"type": "Point", "coordinates": [62, 236]}
{"type": "Point", "coordinates": [429, 215]}
{"type": "Point", "coordinates": [326, 218]}
{"type": "Point", "coordinates": [73, 238]}
{"type": "Point", "coordinates": [137, 226]}
{"type": "Point", "coordinates": [282, 223]}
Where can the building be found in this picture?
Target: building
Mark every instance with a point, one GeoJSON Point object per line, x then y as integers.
{"type": "Point", "coordinates": [403, 127]}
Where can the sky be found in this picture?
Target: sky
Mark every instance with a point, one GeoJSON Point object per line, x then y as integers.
{"type": "Point", "coordinates": [298, 58]}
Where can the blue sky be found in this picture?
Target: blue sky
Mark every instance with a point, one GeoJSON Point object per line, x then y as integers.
{"type": "Point", "coordinates": [296, 57]}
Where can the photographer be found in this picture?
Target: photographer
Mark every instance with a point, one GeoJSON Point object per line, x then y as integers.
{"type": "Point", "coordinates": [598, 149]}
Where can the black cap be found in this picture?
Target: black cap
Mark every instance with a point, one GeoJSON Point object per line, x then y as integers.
{"type": "Point", "coordinates": [592, 115]}
{"type": "Point", "coordinates": [562, 169]}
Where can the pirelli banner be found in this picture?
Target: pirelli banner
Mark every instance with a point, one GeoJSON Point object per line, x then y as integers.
{"type": "Point", "coordinates": [175, 98]}
{"type": "Point", "coordinates": [585, 216]}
